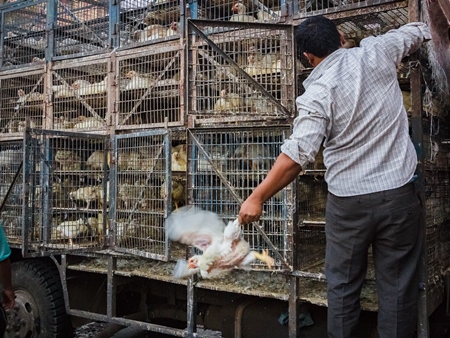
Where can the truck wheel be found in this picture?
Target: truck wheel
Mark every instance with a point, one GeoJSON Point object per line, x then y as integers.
{"type": "Point", "coordinates": [39, 309]}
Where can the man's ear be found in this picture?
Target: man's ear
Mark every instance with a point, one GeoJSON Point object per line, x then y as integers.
{"type": "Point", "coordinates": [309, 57]}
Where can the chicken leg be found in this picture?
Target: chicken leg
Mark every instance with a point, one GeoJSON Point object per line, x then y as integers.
{"type": "Point", "coordinates": [264, 257]}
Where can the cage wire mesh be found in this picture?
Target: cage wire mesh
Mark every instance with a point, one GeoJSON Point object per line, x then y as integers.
{"type": "Point", "coordinates": [24, 35]}
{"type": "Point", "coordinates": [82, 27]}
{"type": "Point", "coordinates": [141, 193]}
{"type": "Point", "coordinates": [316, 7]}
{"type": "Point", "coordinates": [67, 176]}
{"type": "Point", "coordinates": [80, 96]}
{"type": "Point", "coordinates": [268, 11]}
{"type": "Point", "coordinates": [11, 179]}
{"type": "Point", "coordinates": [225, 167]}
{"type": "Point", "coordinates": [148, 21]}
{"type": "Point", "coordinates": [150, 89]}
{"type": "Point", "coordinates": [21, 99]}
{"type": "Point", "coordinates": [240, 72]}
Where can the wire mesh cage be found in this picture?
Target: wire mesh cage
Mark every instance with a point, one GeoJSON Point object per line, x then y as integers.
{"type": "Point", "coordinates": [11, 190]}
{"type": "Point", "coordinates": [67, 191]}
{"type": "Point", "coordinates": [24, 34]}
{"type": "Point", "coordinates": [141, 198]}
{"type": "Point", "coordinates": [150, 88]}
{"type": "Point", "coordinates": [21, 99]}
{"type": "Point", "coordinates": [304, 8]}
{"type": "Point", "coordinates": [148, 21]}
{"type": "Point", "coordinates": [80, 95]}
{"type": "Point", "coordinates": [225, 166]}
{"type": "Point", "coordinates": [239, 72]}
{"type": "Point", "coordinates": [268, 11]}
{"type": "Point", "coordinates": [82, 27]}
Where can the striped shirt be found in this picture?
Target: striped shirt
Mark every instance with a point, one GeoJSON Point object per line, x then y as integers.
{"type": "Point", "coordinates": [353, 103]}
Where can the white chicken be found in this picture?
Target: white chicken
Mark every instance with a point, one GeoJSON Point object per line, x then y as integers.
{"type": "Point", "coordinates": [228, 102]}
{"type": "Point", "coordinates": [150, 32]}
{"type": "Point", "coordinates": [240, 9]}
{"type": "Point", "coordinates": [173, 29]}
{"type": "Point", "coordinates": [72, 229]}
{"type": "Point", "coordinates": [129, 161]}
{"type": "Point", "coordinates": [87, 194]}
{"type": "Point", "coordinates": [22, 125]}
{"type": "Point", "coordinates": [223, 247]}
{"type": "Point", "coordinates": [125, 229]}
{"type": "Point", "coordinates": [257, 63]}
{"type": "Point", "coordinates": [138, 81]}
{"type": "Point", "coordinates": [23, 98]}
{"type": "Point", "coordinates": [86, 88]}
{"type": "Point", "coordinates": [89, 123]}
{"type": "Point", "coordinates": [96, 160]}
{"type": "Point", "coordinates": [268, 15]}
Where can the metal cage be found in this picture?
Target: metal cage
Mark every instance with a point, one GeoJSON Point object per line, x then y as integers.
{"type": "Point", "coordinates": [142, 180]}
{"type": "Point", "coordinates": [150, 88]}
{"type": "Point", "coordinates": [65, 202]}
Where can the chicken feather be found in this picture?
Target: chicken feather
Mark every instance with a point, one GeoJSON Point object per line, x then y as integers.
{"type": "Point", "coordinates": [223, 246]}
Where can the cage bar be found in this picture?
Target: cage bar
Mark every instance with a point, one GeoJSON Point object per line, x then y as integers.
{"type": "Point", "coordinates": [80, 95]}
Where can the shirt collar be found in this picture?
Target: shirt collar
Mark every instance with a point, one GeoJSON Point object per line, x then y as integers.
{"type": "Point", "coordinates": [326, 63]}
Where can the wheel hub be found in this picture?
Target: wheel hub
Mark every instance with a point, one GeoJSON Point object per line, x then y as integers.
{"type": "Point", "coordinates": [23, 318]}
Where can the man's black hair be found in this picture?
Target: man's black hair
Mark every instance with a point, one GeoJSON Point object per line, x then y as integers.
{"type": "Point", "coordinates": [317, 35]}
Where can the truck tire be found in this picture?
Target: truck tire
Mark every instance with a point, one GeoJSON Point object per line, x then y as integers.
{"type": "Point", "coordinates": [39, 310]}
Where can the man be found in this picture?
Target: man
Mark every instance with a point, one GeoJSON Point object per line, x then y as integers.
{"type": "Point", "coordinates": [353, 103]}
{"type": "Point", "coordinates": [5, 281]}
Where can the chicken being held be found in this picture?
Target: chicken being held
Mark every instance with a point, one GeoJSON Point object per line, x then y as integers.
{"type": "Point", "coordinates": [72, 229]}
{"type": "Point", "coordinates": [223, 247]}
{"type": "Point", "coordinates": [240, 9]}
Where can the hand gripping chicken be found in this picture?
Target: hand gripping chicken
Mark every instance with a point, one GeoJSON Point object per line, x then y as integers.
{"type": "Point", "coordinates": [223, 246]}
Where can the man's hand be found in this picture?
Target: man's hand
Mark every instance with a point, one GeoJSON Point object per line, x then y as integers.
{"type": "Point", "coordinates": [251, 211]}
{"type": "Point", "coordinates": [8, 299]}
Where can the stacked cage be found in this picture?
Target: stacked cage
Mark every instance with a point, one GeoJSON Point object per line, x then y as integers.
{"type": "Point", "coordinates": [65, 203]}
{"type": "Point", "coordinates": [150, 88]}
{"type": "Point", "coordinates": [240, 73]}
{"type": "Point", "coordinates": [148, 21]}
{"type": "Point", "coordinates": [81, 28]}
{"type": "Point", "coordinates": [23, 35]}
{"type": "Point", "coordinates": [22, 101]}
{"type": "Point", "coordinates": [80, 94]}
{"type": "Point", "coordinates": [144, 190]}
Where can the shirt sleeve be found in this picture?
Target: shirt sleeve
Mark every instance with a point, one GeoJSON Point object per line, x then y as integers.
{"type": "Point", "coordinates": [398, 43]}
{"type": "Point", "coordinates": [5, 251]}
{"type": "Point", "coordinates": [307, 136]}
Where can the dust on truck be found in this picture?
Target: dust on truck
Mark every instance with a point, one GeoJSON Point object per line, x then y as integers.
{"type": "Point", "coordinates": [115, 113]}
